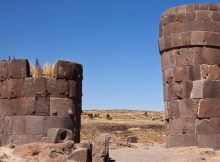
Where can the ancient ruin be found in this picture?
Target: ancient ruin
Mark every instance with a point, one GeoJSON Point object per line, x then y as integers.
{"type": "Point", "coordinates": [190, 53]}
{"type": "Point", "coordinates": [29, 105]}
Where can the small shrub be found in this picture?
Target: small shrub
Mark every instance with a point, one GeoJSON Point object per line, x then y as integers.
{"type": "Point", "coordinates": [90, 115]}
{"type": "Point", "coordinates": [96, 115]}
{"type": "Point", "coordinates": [108, 117]}
{"type": "Point", "coordinates": [146, 114]}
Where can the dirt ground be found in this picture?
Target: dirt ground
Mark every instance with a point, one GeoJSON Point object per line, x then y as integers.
{"type": "Point", "coordinates": [158, 153]}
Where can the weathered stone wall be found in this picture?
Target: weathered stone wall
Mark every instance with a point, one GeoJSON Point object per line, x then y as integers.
{"type": "Point", "coordinates": [190, 53]}
{"type": "Point", "coordinates": [29, 106]}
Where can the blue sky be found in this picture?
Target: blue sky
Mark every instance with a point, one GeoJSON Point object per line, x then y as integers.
{"type": "Point", "coordinates": [115, 40]}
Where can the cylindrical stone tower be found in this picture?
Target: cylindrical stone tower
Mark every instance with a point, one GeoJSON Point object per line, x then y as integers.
{"type": "Point", "coordinates": [190, 52]}
{"type": "Point", "coordinates": [30, 106]}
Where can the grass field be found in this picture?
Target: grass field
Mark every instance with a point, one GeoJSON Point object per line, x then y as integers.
{"type": "Point", "coordinates": [127, 125]}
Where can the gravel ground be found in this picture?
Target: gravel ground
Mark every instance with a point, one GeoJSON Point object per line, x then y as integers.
{"type": "Point", "coordinates": [158, 153]}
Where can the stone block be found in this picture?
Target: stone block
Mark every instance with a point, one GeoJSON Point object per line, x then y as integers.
{"type": "Point", "coordinates": [205, 71]}
{"type": "Point", "coordinates": [197, 90]}
{"type": "Point", "coordinates": [203, 89]}
{"type": "Point", "coordinates": [209, 108]}
{"type": "Point", "coordinates": [209, 141]}
{"type": "Point", "coordinates": [58, 122]}
{"type": "Point", "coordinates": [3, 70]}
{"type": "Point", "coordinates": [19, 125]}
{"type": "Point", "coordinates": [8, 125]}
{"type": "Point", "coordinates": [187, 88]}
{"type": "Point", "coordinates": [161, 44]}
{"type": "Point", "coordinates": [176, 27]}
{"type": "Point", "coordinates": [175, 127]}
{"type": "Point", "coordinates": [183, 140]}
{"type": "Point", "coordinates": [75, 89]}
{"type": "Point", "coordinates": [57, 88]}
{"type": "Point", "coordinates": [42, 105]}
{"type": "Point", "coordinates": [176, 40]}
{"type": "Point", "coordinates": [164, 21]}
{"type": "Point", "coordinates": [186, 38]}
{"type": "Point", "coordinates": [184, 56]}
{"type": "Point", "coordinates": [166, 30]}
{"type": "Point", "coordinates": [58, 135]}
{"type": "Point", "coordinates": [81, 155]}
{"type": "Point", "coordinates": [166, 110]}
{"type": "Point", "coordinates": [100, 151]}
{"type": "Point", "coordinates": [212, 39]}
{"type": "Point", "coordinates": [168, 60]}
{"type": "Point", "coordinates": [35, 124]}
{"type": "Point", "coordinates": [168, 42]}
{"type": "Point", "coordinates": [189, 7]}
{"type": "Point", "coordinates": [183, 73]}
{"type": "Point", "coordinates": [203, 6]}
{"type": "Point", "coordinates": [197, 37]}
{"type": "Point", "coordinates": [180, 17]}
{"type": "Point", "coordinates": [188, 108]}
{"type": "Point", "coordinates": [60, 106]}
{"type": "Point", "coordinates": [213, 6]}
{"type": "Point", "coordinates": [4, 107]}
{"type": "Point", "coordinates": [168, 76]}
{"type": "Point", "coordinates": [204, 15]}
{"type": "Point", "coordinates": [35, 138]}
{"type": "Point", "coordinates": [199, 26]}
{"type": "Point", "coordinates": [177, 91]}
{"type": "Point", "coordinates": [167, 95]}
{"type": "Point", "coordinates": [14, 139]}
{"type": "Point", "coordinates": [173, 109]}
{"type": "Point", "coordinates": [18, 69]}
{"type": "Point", "coordinates": [181, 126]}
{"type": "Point", "coordinates": [208, 126]}
{"type": "Point", "coordinates": [206, 55]}
{"type": "Point", "coordinates": [40, 86]}
{"type": "Point", "coordinates": [22, 106]}
{"type": "Point", "coordinates": [1, 125]}
{"type": "Point", "coordinates": [35, 86]}
{"type": "Point", "coordinates": [214, 72]}
{"type": "Point", "coordinates": [181, 90]}
{"type": "Point", "coordinates": [216, 16]}
{"type": "Point", "coordinates": [190, 16]}
{"type": "Point", "coordinates": [11, 88]}
{"type": "Point", "coordinates": [67, 70]}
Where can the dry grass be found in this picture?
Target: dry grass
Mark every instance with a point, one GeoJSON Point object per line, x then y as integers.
{"type": "Point", "coordinates": [148, 127]}
{"type": "Point", "coordinates": [38, 71]}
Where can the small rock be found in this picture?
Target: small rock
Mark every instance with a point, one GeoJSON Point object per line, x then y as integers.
{"type": "Point", "coordinates": [81, 155]}
{"type": "Point", "coordinates": [10, 145]}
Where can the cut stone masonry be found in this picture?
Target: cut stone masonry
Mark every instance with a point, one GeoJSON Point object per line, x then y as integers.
{"type": "Point", "coordinates": [189, 44]}
{"type": "Point", "coordinates": [29, 106]}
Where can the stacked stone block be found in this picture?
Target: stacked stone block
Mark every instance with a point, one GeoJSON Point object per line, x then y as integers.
{"type": "Point", "coordinates": [190, 53]}
{"type": "Point", "coordinates": [29, 106]}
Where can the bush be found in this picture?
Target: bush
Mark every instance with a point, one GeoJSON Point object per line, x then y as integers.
{"type": "Point", "coordinates": [108, 117]}
{"type": "Point", "coordinates": [90, 115]}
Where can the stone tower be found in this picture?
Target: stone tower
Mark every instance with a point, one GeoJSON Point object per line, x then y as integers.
{"type": "Point", "coordinates": [29, 106]}
{"type": "Point", "coordinates": [190, 53]}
